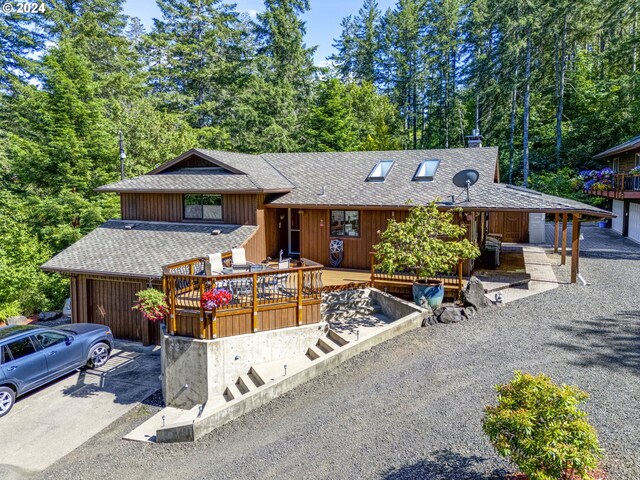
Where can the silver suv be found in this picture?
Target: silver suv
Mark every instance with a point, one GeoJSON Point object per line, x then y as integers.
{"type": "Point", "coordinates": [31, 356]}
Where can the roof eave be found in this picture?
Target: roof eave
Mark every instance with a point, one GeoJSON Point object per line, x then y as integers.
{"type": "Point", "coordinates": [75, 271]}
{"type": "Point", "coordinates": [106, 189]}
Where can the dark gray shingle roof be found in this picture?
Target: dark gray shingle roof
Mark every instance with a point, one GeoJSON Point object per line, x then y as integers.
{"type": "Point", "coordinates": [229, 172]}
{"type": "Point", "coordinates": [343, 176]}
{"type": "Point", "coordinates": [143, 250]}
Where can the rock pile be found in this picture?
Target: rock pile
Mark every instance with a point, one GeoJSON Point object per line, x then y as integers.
{"type": "Point", "coordinates": [473, 299]}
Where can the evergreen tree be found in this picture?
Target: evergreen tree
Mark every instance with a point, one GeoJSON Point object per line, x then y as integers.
{"type": "Point", "coordinates": [287, 71]}
{"type": "Point", "coordinates": [198, 54]}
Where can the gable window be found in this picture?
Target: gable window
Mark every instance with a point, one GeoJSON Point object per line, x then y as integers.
{"type": "Point", "coordinates": [380, 171]}
{"type": "Point", "coordinates": [345, 223]}
{"type": "Point", "coordinates": [426, 171]}
{"type": "Point", "coordinates": [203, 207]}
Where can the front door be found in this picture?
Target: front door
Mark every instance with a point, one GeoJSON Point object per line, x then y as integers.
{"type": "Point", "coordinates": [294, 232]}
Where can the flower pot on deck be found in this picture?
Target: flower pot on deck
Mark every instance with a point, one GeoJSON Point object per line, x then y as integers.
{"type": "Point", "coordinates": [431, 290]}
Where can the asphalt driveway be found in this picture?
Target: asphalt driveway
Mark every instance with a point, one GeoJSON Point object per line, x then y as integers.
{"type": "Point", "coordinates": [47, 424]}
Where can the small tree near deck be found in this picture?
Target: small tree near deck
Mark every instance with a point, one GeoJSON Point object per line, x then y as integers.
{"type": "Point", "coordinates": [427, 243]}
{"type": "Point", "coordinates": [538, 425]}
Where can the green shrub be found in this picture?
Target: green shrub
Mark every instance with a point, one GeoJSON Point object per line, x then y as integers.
{"type": "Point", "coordinates": [428, 242]}
{"type": "Point", "coordinates": [538, 425]}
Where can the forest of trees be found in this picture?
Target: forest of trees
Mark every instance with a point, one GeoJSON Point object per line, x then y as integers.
{"type": "Point", "coordinates": [550, 83]}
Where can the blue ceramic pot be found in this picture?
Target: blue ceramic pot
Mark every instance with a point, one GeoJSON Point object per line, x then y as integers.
{"type": "Point", "coordinates": [432, 290]}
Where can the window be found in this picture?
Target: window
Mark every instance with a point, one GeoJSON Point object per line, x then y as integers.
{"type": "Point", "coordinates": [426, 171]}
{"type": "Point", "coordinates": [345, 223]}
{"type": "Point", "coordinates": [21, 348]}
{"type": "Point", "coordinates": [615, 165]}
{"type": "Point", "coordinates": [49, 339]}
{"type": "Point", "coordinates": [203, 207]}
{"type": "Point", "coordinates": [380, 171]}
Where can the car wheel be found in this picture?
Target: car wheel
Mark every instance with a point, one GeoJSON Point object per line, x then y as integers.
{"type": "Point", "coordinates": [7, 399]}
{"type": "Point", "coordinates": [98, 355]}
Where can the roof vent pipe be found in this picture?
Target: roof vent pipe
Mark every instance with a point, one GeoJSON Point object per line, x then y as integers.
{"type": "Point", "coordinates": [122, 155]}
{"type": "Point", "coordinates": [322, 191]}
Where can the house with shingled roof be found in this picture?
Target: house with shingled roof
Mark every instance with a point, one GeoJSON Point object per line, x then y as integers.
{"type": "Point", "coordinates": [623, 195]}
{"type": "Point", "coordinates": [207, 201]}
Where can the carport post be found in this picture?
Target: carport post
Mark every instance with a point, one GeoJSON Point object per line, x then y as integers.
{"type": "Point", "coordinates": [575, 246]}
{"type": "Point", "coordinates": [555, 233]}
{"type": "Point", "coordinates": [563, 259]}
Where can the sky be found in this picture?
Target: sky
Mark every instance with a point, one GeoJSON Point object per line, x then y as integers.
{"type": "Point", "coordinates": [322, 21]}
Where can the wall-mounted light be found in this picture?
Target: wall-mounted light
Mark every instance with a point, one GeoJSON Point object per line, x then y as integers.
{"type": "Point", "coordinates": [300, 212]}
{"type": "Point", "coordinates": [282, 216]}
{"type": "Point", "coordinates": [321, 222]}
{"type": "Point", "coordinates": [393, 214]}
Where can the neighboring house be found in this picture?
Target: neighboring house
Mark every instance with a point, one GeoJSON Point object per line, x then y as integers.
{"type": "Point", "coordinates": [208, 201]}
{"type": "Point", "coordinates": [624, 195]}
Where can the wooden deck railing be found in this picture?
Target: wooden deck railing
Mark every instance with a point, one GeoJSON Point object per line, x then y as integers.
{"type": "Point", "coordinates": [620, 184]}
{"type": "Point", "coordinates": [261, 300]}
{"type": "Point", "coordinates": [452, 282]}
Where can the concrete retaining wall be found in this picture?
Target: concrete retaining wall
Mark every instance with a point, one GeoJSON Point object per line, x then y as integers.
{"type": "Point", "coordinates": [192, 430]}
{"type": "Point", "coordinates": [195, 370]}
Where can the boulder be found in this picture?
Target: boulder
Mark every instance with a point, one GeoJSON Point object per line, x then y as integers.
{"type": "Point", "coordinates": [451, 315]}
{"type": "Point", "coordinates": [19, 320]}
{"type": "Point", "coordinates": [473, 295]}
{"type": "Point", "coordinates": [469, 312]}
{"type": "Point", "coordinates": [48, 316]}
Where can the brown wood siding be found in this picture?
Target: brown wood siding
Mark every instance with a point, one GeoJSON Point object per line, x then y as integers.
{"type": "Point", "coordinates": [153, 207]}
{"type": "Point", "coordinates": [256, 246]}
{"type": "Point", "coordinates": [194, 161]}
{"type": "Point", "coordinates": [315, 239]}
{"type": "Point", "coordinates": [273, 228]}
{"type": "Point", "coordinates": [240, 209]}
{"type": "Point", "coordinates": [627, 160]}
{"type": "Point", "coordinates": [108, 301]}
{"type": "Point", "coordinates": [514, 226]}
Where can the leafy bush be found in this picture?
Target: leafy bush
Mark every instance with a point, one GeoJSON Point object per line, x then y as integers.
{"type": "Point", "coordinates": [538, 425]}
{"type": "Point", "coordinates": [426, 243]}
{"type": "Point", "coordinates": [152, 304]}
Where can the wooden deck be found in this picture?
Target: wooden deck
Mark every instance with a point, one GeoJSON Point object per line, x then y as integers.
{"type": "Point", "coordinates": [338, 277]}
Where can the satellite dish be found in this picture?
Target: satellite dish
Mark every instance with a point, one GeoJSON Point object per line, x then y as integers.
{"type": "Point", "coordinates": [466, 178]}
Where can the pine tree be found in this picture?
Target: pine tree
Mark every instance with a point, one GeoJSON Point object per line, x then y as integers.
{"type": "Point", "coordinates": [287, 70]}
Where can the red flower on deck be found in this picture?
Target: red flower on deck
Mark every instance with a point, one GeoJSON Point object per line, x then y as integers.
{"type": "Point", "coordinates": [217, 297]}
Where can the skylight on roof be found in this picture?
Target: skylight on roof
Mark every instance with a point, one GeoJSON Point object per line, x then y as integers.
{"type": "Point", "coordinates": [380, 171]}
{"type": "Point", "coordinates": [426, 171]}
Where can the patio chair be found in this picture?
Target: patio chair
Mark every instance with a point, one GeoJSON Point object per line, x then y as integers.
{"type": "Point", "coordinates": [239, 258]}
{"type": "Point", "coordinates": [215, 266]}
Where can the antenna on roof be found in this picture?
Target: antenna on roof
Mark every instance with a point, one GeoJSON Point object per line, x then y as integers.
{"type": "Point", "coordinates": [465, 179]}
{"type": "Point", "coordinates": [122, 154]}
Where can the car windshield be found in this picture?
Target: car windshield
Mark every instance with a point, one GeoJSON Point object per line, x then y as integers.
{"type": "Point", "coordinates": [68, 330]}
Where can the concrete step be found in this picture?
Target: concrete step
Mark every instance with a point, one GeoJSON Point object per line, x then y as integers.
{"type": "Point", "coordinates": [313, 353]}
{"type": "Point", "coordinates": [255, 378]}
{"type": "Point", "coordinates": [336, 338]}
{"type": "Point", "coordinates": [325, 345]}
{"type": "Point", "coordinates": [231, 393]}
{"type": "Point", "coordinates": [246, 384]}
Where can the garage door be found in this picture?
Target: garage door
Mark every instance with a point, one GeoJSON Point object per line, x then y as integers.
{"type": "Point", "coordinates": [634, 221]}
{"type": "Point", "coordinates": [618, 209]}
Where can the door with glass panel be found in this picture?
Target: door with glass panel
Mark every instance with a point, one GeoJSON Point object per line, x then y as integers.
{"type": "Point", "coordinates": [294, 232]}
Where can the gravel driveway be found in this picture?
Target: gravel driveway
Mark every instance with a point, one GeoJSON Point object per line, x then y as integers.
{"type": "Point", "coordinates": [411, 407]}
